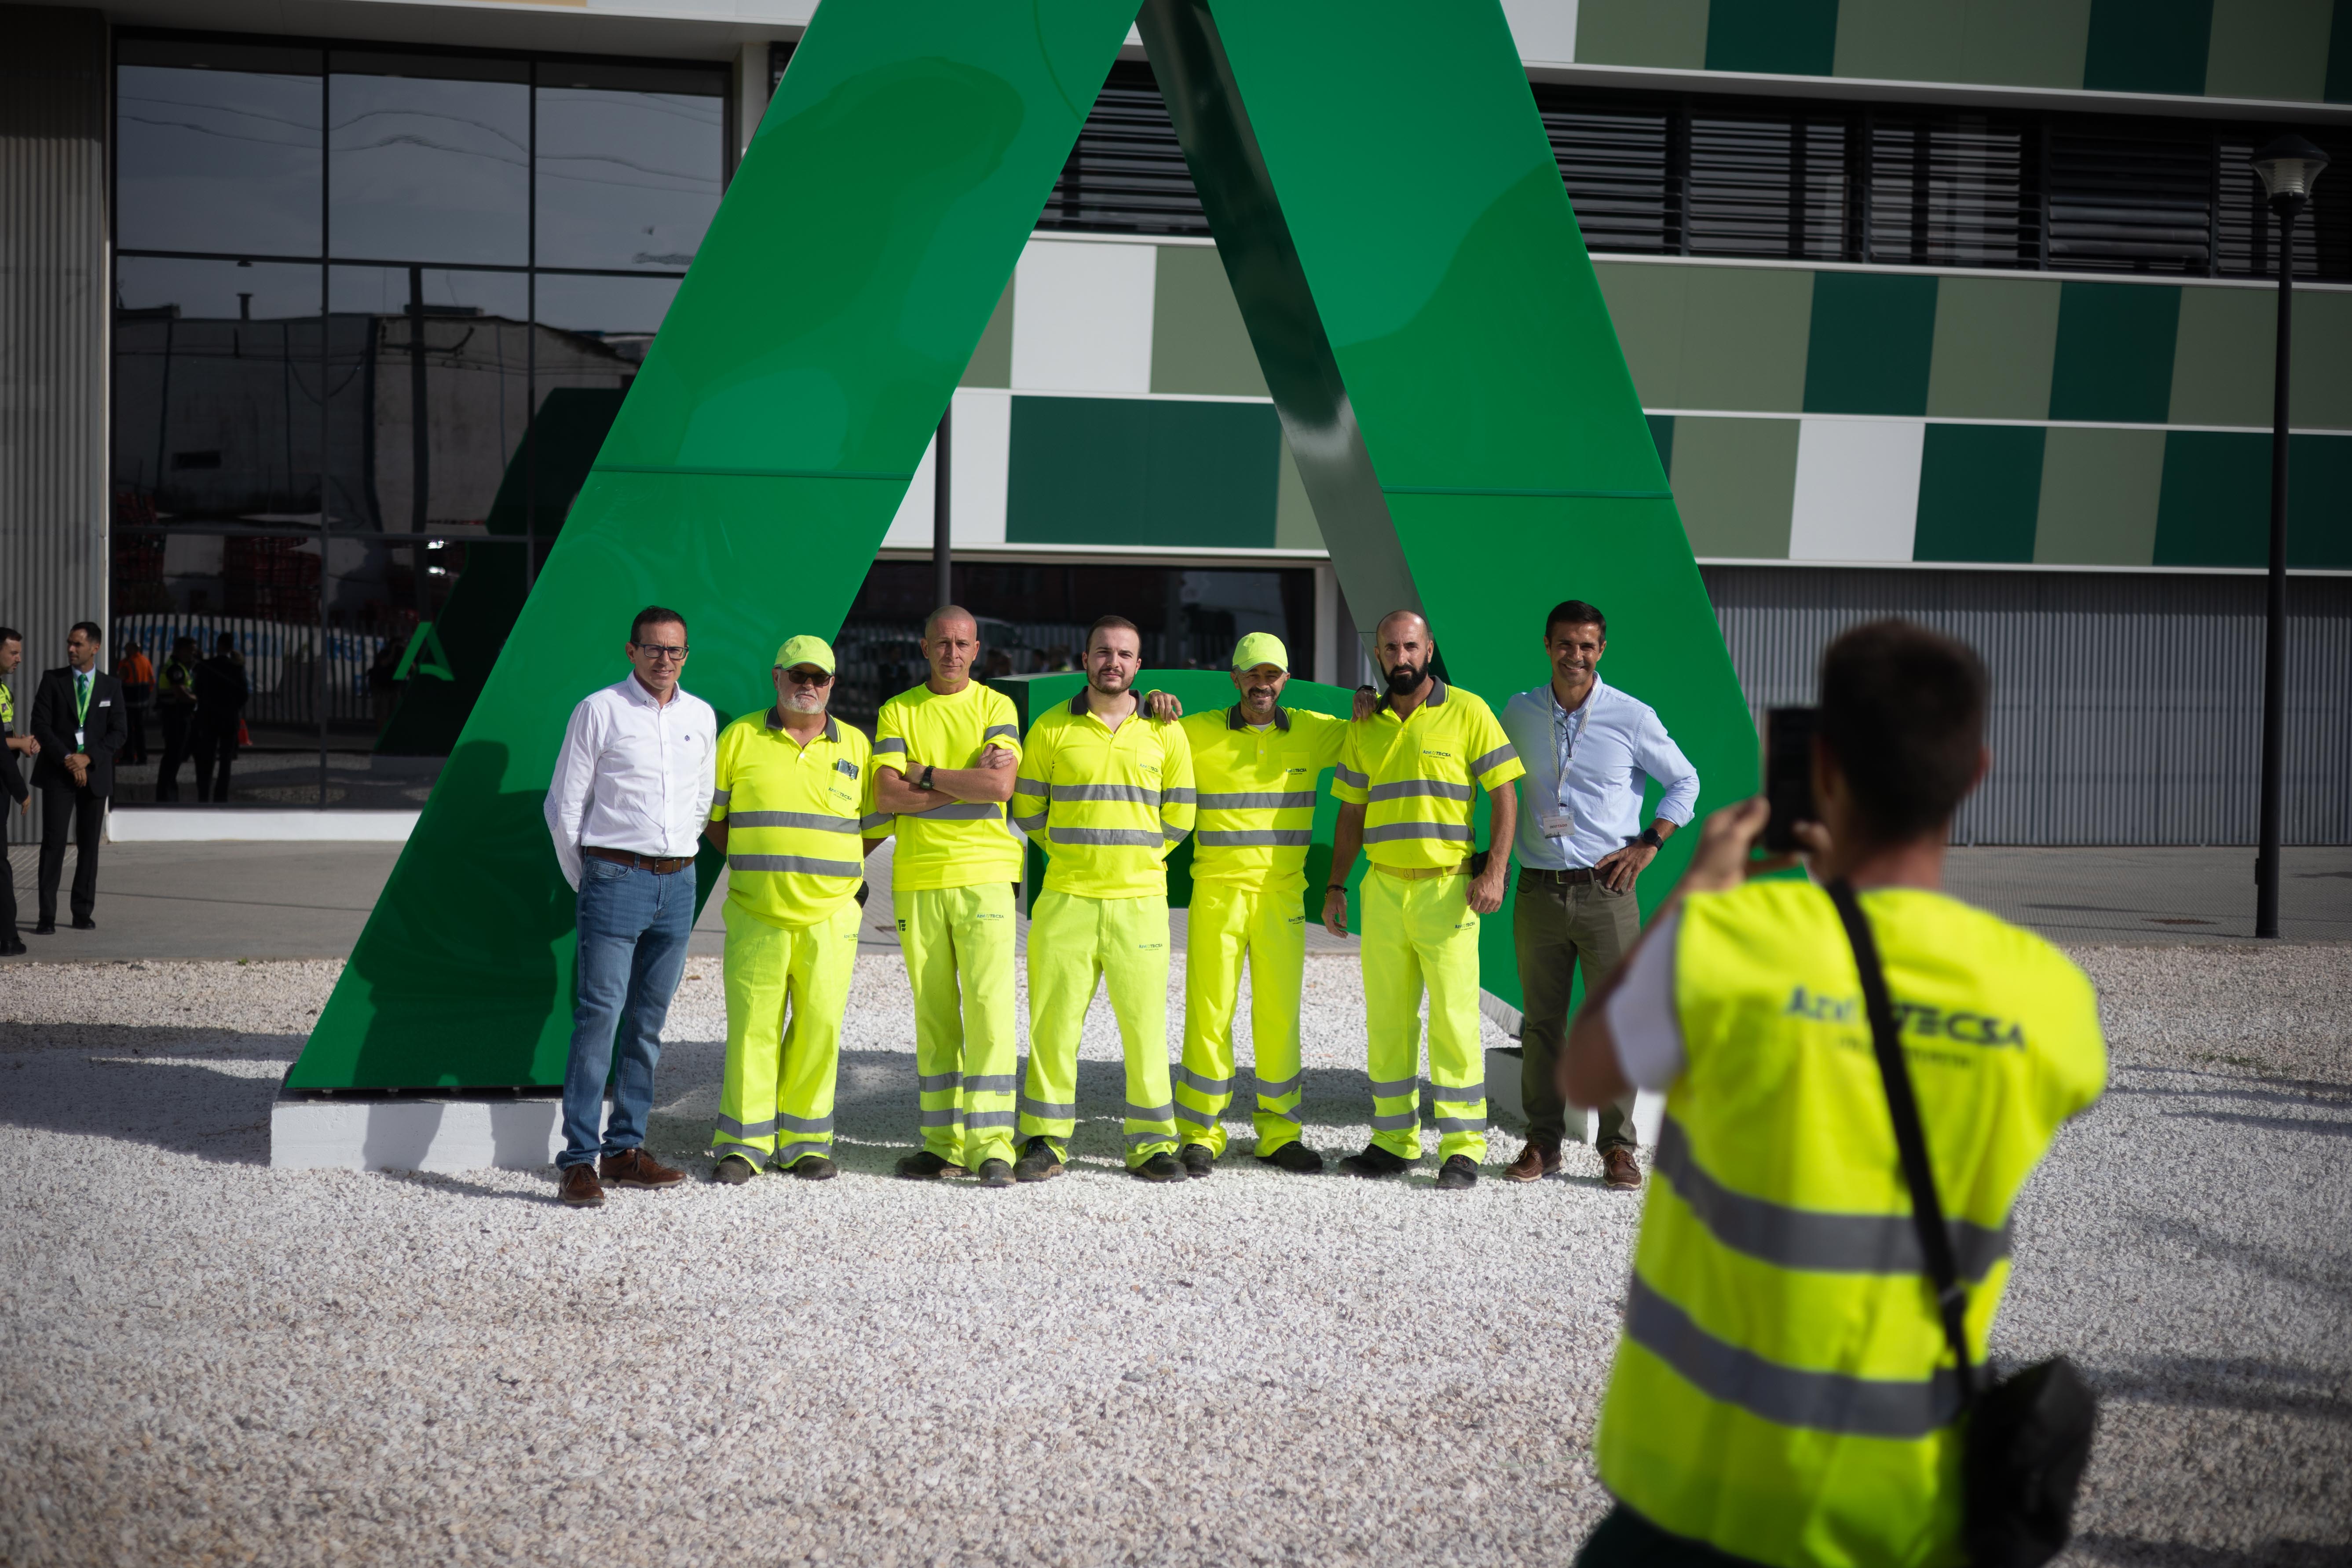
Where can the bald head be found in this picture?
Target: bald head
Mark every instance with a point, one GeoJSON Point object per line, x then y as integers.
{"type": "Point", "coordinates": [1404, 646]}
{"type": "Point", "coordinates": [948, 613]}
{"type": "Point", "coordinates": [950, 643]}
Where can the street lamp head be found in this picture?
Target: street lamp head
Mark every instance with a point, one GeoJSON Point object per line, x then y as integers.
{"type": "Point", "coordinates": [2289, 166]}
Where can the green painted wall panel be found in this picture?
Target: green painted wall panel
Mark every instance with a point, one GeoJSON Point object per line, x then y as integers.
{"type": "Point", "coordinates": [2225, 356]}
{"type": "Point", "coordinates": [2322, 357]}
{"type": "Point", "coordinates": [1661, 436]}
{"type": "Point", "coordinates": [1745, 335]}
{"type": "Point", "coordinates": [1293, 515]}
{"type": "Point", "coordinates": [1133, 470]}
{"type": "Point", "coordinates": [2339, 55]}
{"type": "Point", "coordinates": [1995, 342]}
{"type": "Point", "coordinates": [1900, 40]}
{"type": "Point", "coordinates": [1735, 481]}
{"type": "Point", "coordinates": [2099, 495]}
{"type": "Point", "coordinates": [2149, 45]}
{"type": "Point", "coordinates": [1979, 493]}
{"type": "Point", "coordinates": [2269, 48]}
{"type": "Point", "coordinates": [1671, 33]}
{"type": "Point", "coordinates": [2216, 505]}
{"type": "Point", "coordinates": [2027, 43]}
{"type": "Point", "coordinates": [2114, 352]}
{"type": "Point", "coordinates": [1648, 305]}
{"type": "Point", "coordinates": [2319, 503]}
{"type": "Point", "coordinates": [1198, 342]}
{"type": "Point", "coordinates": [991, 361]}
{"type": "Point", "coordinates": [1874, 334]}
{"type": "Point", "coordinates": [1789, 37]}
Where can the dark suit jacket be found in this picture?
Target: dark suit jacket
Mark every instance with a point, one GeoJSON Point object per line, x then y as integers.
{"type": "Point", "coordinates": [105, 730]}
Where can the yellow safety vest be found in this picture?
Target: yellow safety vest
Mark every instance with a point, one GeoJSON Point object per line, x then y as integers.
{"type": "Point", "coordinates": [1784, 1388]}
{"type": "Point", "coordinates": [1419, 777]}
{"type": "Point", "coordinates": [957, 844]}
{"type": "Point", "coordinates": [1257, 794]}
{"type": "Point", "coordinates": [1107, 806]}
{"type": "Point", "coordinates": [796, 818]}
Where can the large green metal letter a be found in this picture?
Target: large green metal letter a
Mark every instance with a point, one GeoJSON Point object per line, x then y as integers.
{"type": "Point", "coordinates": [1395, 227]}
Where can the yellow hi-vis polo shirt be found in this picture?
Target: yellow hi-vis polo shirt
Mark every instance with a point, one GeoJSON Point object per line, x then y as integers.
{"type": "Point", "coordinates": [1106, 805]}
{"type": "Point", "coordinates": [796, 817]}
{"type": "Point", "coordinates": [1419, 777]}
{"type": "Point", "coordinates": [1257, 794]}
{"type": "Point", "coordinates": [956, 844]}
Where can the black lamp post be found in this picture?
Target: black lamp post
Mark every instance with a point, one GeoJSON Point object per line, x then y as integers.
{"type": "Point", "coordinates": [2287, 167]}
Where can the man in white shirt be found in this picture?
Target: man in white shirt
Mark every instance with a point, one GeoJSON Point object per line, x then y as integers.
{"type": "Point", "coordinates": [1589, 749]}
{"type": "Point", "coordinates": [631, 792]}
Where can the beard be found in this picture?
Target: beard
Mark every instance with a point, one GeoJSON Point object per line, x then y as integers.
{"type": "Point", "coordinates": [1259, 697]}
{"type": "Point", "coordinates": [806, 700]}
{"type": "Point", "coordinates": [1403, 678]}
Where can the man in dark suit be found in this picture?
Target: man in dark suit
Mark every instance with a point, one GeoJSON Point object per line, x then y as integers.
{"type": "Point", "coordinates": [80, 720]}
{"type": "Point", "coordinates": [11, 784]}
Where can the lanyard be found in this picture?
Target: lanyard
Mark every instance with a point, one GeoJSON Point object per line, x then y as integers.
{"type": "Point", "coordinates": [82, 685]}
{"type": "Point", "coordinates": [1565, 736]}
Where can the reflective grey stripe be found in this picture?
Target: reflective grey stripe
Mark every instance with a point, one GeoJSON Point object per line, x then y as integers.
{"type": "Point", "coordinates": [1383, 1088]}
{"type": "Point", "coordinates": [1811, 1239]}
{"type": "Point", "coordinates": [1459, 831]}
{"type": "Point", "coordinates": [1047, 1110]}
{"type": "Point", "coordinates": [1178, 794]}
{"type": "Point", "coordinates": [803, 1123]}
{"type": "Point", "coordinates": [1173, 834]}
{"type": "Point", "coordinates": [880, 819]}
{"type": "Point", "coordinates": [1142, 837]}
{"type": "Point", "coordinates": [1029, 786]}
{"type": "Point", "coordinates": [950, 1117]}
{"type": "Point", "coordinates": [815, 821]}
{"type": "Point", "coordinates": [1348, 777]}
{"type": "Point", "coordinates": [961, 811]}
{"type": "Point", "coordinates": [933, 1082]}
{"type": "Point", "coordinates": [891, 746]}
{"type": "Point", "coordinates": [788, 1153]}
{"type": "Point", "coordinates": [1495, 759]}
{"type": "Point", "coordinates": [1392, 1123]}
{"type": "Point", "coordinates": [1458, 1094]}
{"type": "Point", "coordinates": [1459, 1124]}
{"type": "Point", "coordinates": [794, 863]}
{"type": "Point", "coordinates": [1196, 1118]}
{"type": "Point", "coordinates": [1151, 1112]}
{"type": "Point", "coordinates": [734, 1128]}
{"type": "Point", "coordinates": [1822, 1401]}
{"type": "Point", "coordinates": [722, 1147]}
{"type": "Point", "coordinates": [993, 730]}
{"type": "Point", "coordinates": [1291, 837]}
{"type": "Point", "coordinates": [720, 797]}
{"type": "Point", "coordinates": [991, 1083]}
{"type": "Point", "coordinates": [975, 1119]}
{"type": "Point", "coordinates": [1135, 1138]}
{"type": "Point", "coordinates": [1031, 824]}
{"type": "Point", "coordinates": [1191, 1079]}
{"type": "Point", "coordinates": [1438, 787]}
{"type": "Point", "coordinates": [1274, 1090]}
{"type": "Point", "coordinates": [1256, 799]}
{"type": "Point", "coordinates": [1135, 793]}
{"type": "Point", "coordinates": [1276, 1113]}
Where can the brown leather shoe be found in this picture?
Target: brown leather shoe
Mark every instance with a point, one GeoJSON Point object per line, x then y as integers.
{"type": "Point", "coordinates": [580, 1189]}
{"type": "Point", "coordinates": [1540, 1158]}
{"type": "Point", "coordinates": [636, 1168]}
{"type": "Point", "coordinates": [1618, 1169]}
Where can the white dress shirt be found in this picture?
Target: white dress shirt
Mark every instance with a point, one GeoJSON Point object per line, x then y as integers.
{"type": "Point", "coordinates": [1590, 764]}
{"type": "Point", "coordinates": [633, 775]}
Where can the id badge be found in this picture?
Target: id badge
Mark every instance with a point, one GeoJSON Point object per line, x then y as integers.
{"type": "Point", "coordinates": [1555, 822]}
{"type": "Point", "coordinates": [79, 740]}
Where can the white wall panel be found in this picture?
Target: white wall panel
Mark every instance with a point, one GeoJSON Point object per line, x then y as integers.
{"type": "Point", "coordinates": [1082, 316]}
{"type": "Point", "coordinates": [1545, 30]}
{"type": "Point", "coordinates": [1857, 490]}
{"type": "Point", "coordinates": [981, 436]}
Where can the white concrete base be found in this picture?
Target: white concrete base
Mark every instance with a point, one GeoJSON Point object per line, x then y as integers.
{"type": "Point", "coordinates": [201, 824]}
{"type": "Point", "coordinates": [414, 1134]}
{"type": "Point", "coordinates": [1504, 1105]}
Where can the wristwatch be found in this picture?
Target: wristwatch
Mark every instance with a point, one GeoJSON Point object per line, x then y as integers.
{"type": "Point", "coordinates": [1652, 838]}
{"type": "Point", "coordinates": [924, 783]}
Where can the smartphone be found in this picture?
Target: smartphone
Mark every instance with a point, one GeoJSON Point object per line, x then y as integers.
{"type": "Point", "coordinates": [1787, 774]}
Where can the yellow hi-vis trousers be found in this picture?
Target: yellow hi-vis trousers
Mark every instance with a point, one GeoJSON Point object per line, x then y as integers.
{"type": "Point", "coordinates": [1422, 932]}
{"type": "Point", "coordinates": [780, 1080]}
{"type": "Point", "coordinates": [959, 947]}
{"type": "Point", "coordinates": [1230, 924]}
{"type": "Point", "coordinates": [1074, 942]}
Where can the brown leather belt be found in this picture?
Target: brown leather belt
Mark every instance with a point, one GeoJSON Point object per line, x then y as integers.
{"type": "Point", "coordinates": [655, 864]}
{"type": "Point", "coordinates": [1574, 877]}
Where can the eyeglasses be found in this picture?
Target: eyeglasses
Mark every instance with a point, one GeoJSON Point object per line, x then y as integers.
{"type": "Point", "coordinates": [809, 677]}
{"type": "Point", "coordinates": [659, 653]}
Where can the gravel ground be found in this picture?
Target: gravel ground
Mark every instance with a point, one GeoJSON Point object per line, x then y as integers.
{"type": "Point", "coordinates": [202, 1359]}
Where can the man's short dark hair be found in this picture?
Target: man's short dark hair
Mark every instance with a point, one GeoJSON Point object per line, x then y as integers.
{"type": "Point", "coordinates": [226, 643]}
{"type": "Point", "coordinates": [1575, 612]}
{"type": "Point", "coordinates": [654, 615]}
{"type": "Point", "coordinates": [1113, 623]}
{"type": "Point", "coordinates": [10, 634]}
{"type": "Point", "coordinates": [87, 629]}
{"type": "Point", "coordinates": [1903, 712]}
{"type": "Point", "coordinates": [182, 640]}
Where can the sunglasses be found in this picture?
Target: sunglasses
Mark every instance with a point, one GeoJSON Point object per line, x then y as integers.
{"type": "Point", "coordinates": [809, 677]}
{"type": "Point", "coordinates": [659, 652]}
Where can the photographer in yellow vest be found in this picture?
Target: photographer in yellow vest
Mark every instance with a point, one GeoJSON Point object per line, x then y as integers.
{"type": "Point", "coordinates": [1783, 1391]}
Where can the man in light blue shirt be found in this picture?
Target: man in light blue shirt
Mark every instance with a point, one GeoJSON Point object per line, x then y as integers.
{"type": "Point", "coordinates": [1589, 749]}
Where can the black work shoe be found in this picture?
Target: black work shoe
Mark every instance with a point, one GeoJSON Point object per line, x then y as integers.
{"type": "Point", "coordinates": [47, 927]}
{"type": "Point", "coordinates": [1199, 1160]}
{"type": "Point", "coordinates": [83, 922]}
{"type": "Point", "coordinates": [926, 1166]}
{"type": "Point", "coordinates": [1374, 1161]}
{"type": "Point", "coordinates": [1459, 1171]}
{"type": "Point", "coordinates": [1038, 1162]}
{"type": "Point", "coordinates": [813, 1168]}
{"type": "Point", "coordinates": [996, 1173]}
{"type": "Point", "coordinates": [734, 1171]}
{"type": "Point", "coordinates": [1295, 1157]}
{"type": "Point", "coordinates": [1161, 1167]}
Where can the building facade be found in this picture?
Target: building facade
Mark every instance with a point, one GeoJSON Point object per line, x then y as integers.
{"type": "Point", "coordinates": [315, 314]}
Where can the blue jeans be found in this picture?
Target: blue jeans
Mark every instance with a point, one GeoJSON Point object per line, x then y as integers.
{"type": "Point", "coordinates": [633, 931]}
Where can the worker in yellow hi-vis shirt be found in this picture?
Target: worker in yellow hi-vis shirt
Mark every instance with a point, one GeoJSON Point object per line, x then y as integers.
{"type": "Point", "coordinates": [1257, 765]}
{"type": "Point", "coordinates": [792, 809]}
{"type": "Point", "coordinates": [1107, 794]}
{"type": "Point", "coordinates": [1406, 781]}
{"type": "Point", "coordinates": [944, 756]}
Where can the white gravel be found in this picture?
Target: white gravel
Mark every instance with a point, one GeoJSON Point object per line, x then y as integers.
{"type": "Point", "coordinates": [203, 1359]}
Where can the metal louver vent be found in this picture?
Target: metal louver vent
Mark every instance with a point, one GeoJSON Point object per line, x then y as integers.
{"type": "Point", "coordinates": [1768, 185]}
{"type": "Point", "coordinates": [2129, 200]}
{"type": "Point", "coordinates": [1126, 173]}
{"type": "Point", "coordinates": [1950, 191]}
{"type": "Point", "coordinates": [1618, 165]}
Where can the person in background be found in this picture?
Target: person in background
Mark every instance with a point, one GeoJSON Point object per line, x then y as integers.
{"type": "Point", "coordinates": [221, 693]}
{"type": "Point", "coordinates": [12, 781]}
{"type": "Point", "coordinates": [138, 677]}
{"type": "Point", "coordinates": [1783, 1392]}
{"type": "Point", "coordinates": [1589, 748]}
{"type": "Point", "coordinates": [77, 721]}
{"type": "Point", "coordinates": [175, 711]}
{"type": "Point", "coordinates": [384, 690]}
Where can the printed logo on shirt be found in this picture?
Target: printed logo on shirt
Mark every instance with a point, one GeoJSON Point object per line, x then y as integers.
{"type": "Point", "coordinates": [1918, 1018]}
{"type": "Point", "coordinates": [1442, 756]}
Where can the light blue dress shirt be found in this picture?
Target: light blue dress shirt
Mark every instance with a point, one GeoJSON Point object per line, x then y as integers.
{"type": "Point", "coordinates": [1594, 762]}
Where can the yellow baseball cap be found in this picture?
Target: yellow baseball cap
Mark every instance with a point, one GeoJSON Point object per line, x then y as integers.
{"type": "Point", "coordinates": [1261, 647]}
{"type": "Point", "coordinates": [805, 650]}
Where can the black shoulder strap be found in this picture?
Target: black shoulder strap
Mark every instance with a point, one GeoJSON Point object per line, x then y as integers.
{"type": "Point", "coordinates": [1910, 1139]}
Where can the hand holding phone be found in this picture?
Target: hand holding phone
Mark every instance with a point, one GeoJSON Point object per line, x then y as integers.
{"type": "Point", "coordinates": [1789, 775]}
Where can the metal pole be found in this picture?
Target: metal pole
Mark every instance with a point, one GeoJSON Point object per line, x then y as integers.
{"type": "Point", "coordinates": [2266, 860]}
{"type": "Point", "coordinates": [942, 534]}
